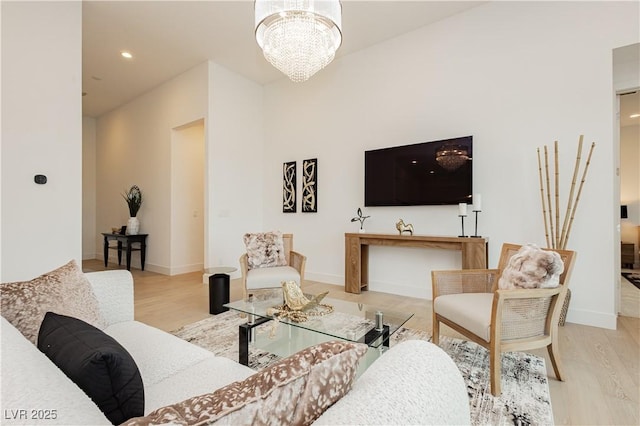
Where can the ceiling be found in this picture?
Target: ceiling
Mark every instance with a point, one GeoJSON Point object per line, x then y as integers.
{"type": "Point", "coordinates": [167, 38]}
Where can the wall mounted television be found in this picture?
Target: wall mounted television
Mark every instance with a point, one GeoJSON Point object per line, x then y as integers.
{"type": "Point", "coordinates": [428, 173]}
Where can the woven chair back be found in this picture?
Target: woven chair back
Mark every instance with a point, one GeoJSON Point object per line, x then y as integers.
{"type": "Point", "coordinates": [525, 318]}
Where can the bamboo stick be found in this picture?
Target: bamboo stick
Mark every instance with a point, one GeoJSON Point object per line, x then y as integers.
{"type": "Point", "coordinates": [571, 192]}
{"type": "Point", "coordinates": [546, 167]}
{"type": "Point", "coordinates": [573, 211]}
{"type": "Point", "coordinates": [544, 208]}
{"type": "Point", "coordinates": [557, 185]}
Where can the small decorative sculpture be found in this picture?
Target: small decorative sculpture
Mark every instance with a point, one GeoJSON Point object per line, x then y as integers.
{"type": "Point", "coordinates": [401, 227]}
{"type": "Point", "coordinates": [297, 307]}
{"type": "Point", "coordinates": [295, 299]}
{"type": "Point", "coordinates": [360, 218]}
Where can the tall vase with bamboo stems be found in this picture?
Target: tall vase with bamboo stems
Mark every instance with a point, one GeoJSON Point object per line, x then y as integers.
{"type": "Point", "coordinates": [133, 197]}
{"type": "Point", "coordinates": [557, 238]}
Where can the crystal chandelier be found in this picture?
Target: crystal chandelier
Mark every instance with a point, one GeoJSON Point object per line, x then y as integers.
{"type": "Point", "coordinates": [451, 157]}
{"type": "Point", "coordinates": [299, 37]}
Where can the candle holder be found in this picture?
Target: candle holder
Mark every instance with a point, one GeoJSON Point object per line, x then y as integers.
{"type": "Point", "coordinates": [475, 235]}
{"type": "Point", "coordinates": [462, 216]}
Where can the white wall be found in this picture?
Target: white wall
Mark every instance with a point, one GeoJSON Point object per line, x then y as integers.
{"type": "Point", "coordinates": [134, 147]}
{"type": "Point", "coordinates": [626, 60]}
{"type": "Point", "coordinates": [516, 76]}
{"type": "Point", "coordinates": [89, 232]}
{"type": "Point", "coordinates": [235, 156]}
{"type": "Point", "coordinates": [187, 198]}
{"type": "Point", "coordinates": [41, 134]}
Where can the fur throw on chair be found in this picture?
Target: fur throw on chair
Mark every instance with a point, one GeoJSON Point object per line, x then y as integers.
{"type": "Point", "coordinates": [532, 267]}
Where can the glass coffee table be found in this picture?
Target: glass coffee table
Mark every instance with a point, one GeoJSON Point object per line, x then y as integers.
{"type": "Point", "coordinates": [349, 321]}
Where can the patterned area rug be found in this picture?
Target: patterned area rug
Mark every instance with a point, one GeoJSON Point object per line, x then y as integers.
{"type": "Point", "coordinates": [632, 278]}
{"type": "Point", "coordinates": [525, 398]}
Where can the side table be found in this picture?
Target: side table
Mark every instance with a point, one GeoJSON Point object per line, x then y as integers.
{"type": "Point", "coordinates": [125, 243]}
{"type": "Point", "coordinates": [219, 288]}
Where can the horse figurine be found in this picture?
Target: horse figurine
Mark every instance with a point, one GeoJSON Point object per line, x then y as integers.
{"type": "Point", "coordinates": [401, 227]}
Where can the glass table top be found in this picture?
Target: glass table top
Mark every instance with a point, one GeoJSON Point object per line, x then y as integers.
{"type": "Point", "coordinates": [220, 270]}
{"type": "Point", "coordinates": [349, 320]}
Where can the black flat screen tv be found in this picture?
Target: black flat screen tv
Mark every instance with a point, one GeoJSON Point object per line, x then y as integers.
{"type": "Point", "coordinates": [422, 174]}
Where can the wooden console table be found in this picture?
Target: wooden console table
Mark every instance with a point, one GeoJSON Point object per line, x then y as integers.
{"type": "Point", "coordinates": [356, 253]}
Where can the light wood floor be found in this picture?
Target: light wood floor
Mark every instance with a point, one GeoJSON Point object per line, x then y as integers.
{"type": "Point", "coordinates": [629, 297]}
{"type": "Point", "coordinates": [602, 367]}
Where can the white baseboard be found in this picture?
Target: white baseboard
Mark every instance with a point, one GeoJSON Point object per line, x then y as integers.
{"type": "Point", "coordinates": [583, 317]}
{"type": "Point", "coordinates": [159, 269]}
{"type": "Point", "coordinates": [324, 278]}
{"type": "Point", "coordinates": [156, 268]}
{"type": "Point", "coordinates": [400, 289]}
{"type": "Point", "coordinates": [185, 269]}
{"type": "Point", "coordinates": [593, 319]}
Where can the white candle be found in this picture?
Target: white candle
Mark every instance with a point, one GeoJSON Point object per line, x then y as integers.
{"type": "Point", "coordinates": [462, 207]}
{"type": "Point", "coordinates": [477, 203]}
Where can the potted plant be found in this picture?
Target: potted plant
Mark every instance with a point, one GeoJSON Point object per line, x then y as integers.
{"type": "Point", "coordinates": [133, 197]}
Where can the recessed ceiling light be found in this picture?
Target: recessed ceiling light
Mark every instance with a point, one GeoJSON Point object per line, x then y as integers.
{"type": "Point", "coordinates": [126, 54]}
{"type": "Point", "coordinates": [634, 116]}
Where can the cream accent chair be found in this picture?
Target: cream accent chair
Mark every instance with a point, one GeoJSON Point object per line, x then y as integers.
{"type": "Point", "coordinates": [470, 302]}
{"type": "Point", "coordinates": [272, 277]}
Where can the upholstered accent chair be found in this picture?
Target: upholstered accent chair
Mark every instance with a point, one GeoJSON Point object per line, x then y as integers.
{"type": "Point", "coordinates": [470, 302]}
{"type": "Point", "coordinates": [269, 261]}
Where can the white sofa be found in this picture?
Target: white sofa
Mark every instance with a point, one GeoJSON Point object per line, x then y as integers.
{"type": "Point", "coordinates": [413, 383]}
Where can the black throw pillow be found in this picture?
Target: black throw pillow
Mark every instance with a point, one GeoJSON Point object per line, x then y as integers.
{"type": "Point", "coordinates": [95, 362]}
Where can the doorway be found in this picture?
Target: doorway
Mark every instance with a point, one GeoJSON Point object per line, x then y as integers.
{"type": "Point", "coordinates": [187, 198]}
{"type": "Point", "coordinates": [629, 122]}
{"type": "Point", "coordinates": [626, 84]}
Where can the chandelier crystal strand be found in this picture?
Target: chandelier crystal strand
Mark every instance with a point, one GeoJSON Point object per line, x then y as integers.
{"type": "Point", "coordinates": [298, 37]}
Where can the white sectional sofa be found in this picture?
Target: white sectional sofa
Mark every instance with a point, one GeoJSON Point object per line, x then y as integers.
{"type": "Point", "coordinates": [413, 383]}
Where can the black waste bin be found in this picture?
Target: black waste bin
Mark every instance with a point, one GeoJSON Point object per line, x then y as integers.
{"type": "Point", "coordinates": [218, 293]}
